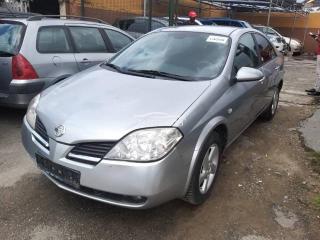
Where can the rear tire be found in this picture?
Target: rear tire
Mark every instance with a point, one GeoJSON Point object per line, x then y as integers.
{"type": "Point", "coordinates": [270, 112]}
{"type": "Point", "coordinates": [205, 171]}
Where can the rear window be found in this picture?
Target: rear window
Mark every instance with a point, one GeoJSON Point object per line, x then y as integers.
{"type": "Point", "coordinates": [10, 38]}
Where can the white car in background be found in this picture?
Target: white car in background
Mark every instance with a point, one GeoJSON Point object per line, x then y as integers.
{"type": "Point", "coordinates": [295, 46]}
{"type": "Point", "coordinates": [278, 43]}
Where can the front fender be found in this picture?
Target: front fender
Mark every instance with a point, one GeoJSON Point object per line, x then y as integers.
{"type": "Point", "coordinates": [205, 133]}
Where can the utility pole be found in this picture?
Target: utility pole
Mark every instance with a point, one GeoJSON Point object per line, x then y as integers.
{"type": "Point", "coordinates": [171, 12]}
{"type": "Point", "coordinates": [269, 14]}
{"type": "Point", "coordinates": [294, 22]}
{"type": "Point", "coordinates": [145, 8]}
{"type": "Point", "coordinates": [82, 8]}
{"type": "Point", "coordinates": [305, 27]}
{"type": "Point", "coordinates": [199, 8]}
{"type": "Point", "coordinates": [150, 15]}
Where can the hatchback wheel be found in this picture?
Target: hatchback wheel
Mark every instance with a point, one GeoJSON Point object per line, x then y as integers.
{"type": "Point", "coordinates": [205, 171]}
{"type": "Point", "coordinates": [270, 112]}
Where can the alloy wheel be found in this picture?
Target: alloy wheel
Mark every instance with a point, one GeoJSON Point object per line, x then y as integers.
{"type": "Point", "coordinates": [275, 102]}
{"type": "Point", "coordinates": [209, 168]}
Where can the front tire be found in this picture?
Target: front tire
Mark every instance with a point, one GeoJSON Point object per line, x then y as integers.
{"type": "Point", "coordinates": [270, 112]}
{"type": "Point", "coordinates": [205, 171]}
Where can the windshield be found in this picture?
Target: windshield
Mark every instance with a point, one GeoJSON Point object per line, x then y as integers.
{"type": "Point", "coordinates": [185, 55]}
{"type": "Point", "coordinates": [10, 38]}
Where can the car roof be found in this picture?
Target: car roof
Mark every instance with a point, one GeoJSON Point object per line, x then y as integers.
{"type": "Point", "coordinates": [258, 25]}
{"type": "Point", "coordinates": [220, 30]}
{"type": "Point", "coordinates": [54, 21]}
{"type": "Point", "coordinates": [159, 19]}
{"type": "Point", "coordinates": [22, 20]}
{"type": "Point", "coordinates": [221, 19]}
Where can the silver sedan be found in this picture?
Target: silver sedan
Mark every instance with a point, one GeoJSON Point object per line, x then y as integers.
{"type": "Point", "coordinates": [151, 124]}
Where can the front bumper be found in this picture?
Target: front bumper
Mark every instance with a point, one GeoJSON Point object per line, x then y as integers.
{"type": "Point", "coordinates": [21, 92]}
{"type": "Point", "coordinates": [116, 182]}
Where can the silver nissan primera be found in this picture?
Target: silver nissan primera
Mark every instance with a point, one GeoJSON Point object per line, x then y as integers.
{"type": "Point", "coordinates": [151, 124]}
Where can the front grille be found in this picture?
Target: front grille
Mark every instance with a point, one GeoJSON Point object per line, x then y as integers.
{"type": "Point", "coordinates": [90, 153]}
{"type": "Point", "coordinates": [104, 196]}
{"type": "Point", "coordinates": [42, 132]}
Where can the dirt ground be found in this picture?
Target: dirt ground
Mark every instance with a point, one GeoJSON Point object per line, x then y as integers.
{"type": "Point", "coordinates": [266, 189]}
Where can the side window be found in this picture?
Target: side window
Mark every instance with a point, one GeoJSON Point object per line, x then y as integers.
{"type": "Point", "coordinates": [246, 54]}
{"type": "Point", "coordinates": [265, 48]}
{"type": "Point", "coordinates": [271, 31]}
{"type": "Point", "coordinates": [156, 25]}
{"type": "Point", "coordinates": [124, 24]}
{"type": "Point", "coordinates": [235, 24]}
{"type": "Point", "coordinates": [87, 39]}
{"type": "Point", "coordinates": [52, 40]}
{"type": "Point", "coordinates": [140, 26]}
{"type": "Point", "coordinates": [118, 40]}
{"type": "Point", "coordinates": [223, 23]}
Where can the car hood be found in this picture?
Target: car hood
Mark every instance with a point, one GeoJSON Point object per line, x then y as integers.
{"type": "Point", "coordinates": [293, 40]}
{"type": "Point", "coordinates": [99, 105]}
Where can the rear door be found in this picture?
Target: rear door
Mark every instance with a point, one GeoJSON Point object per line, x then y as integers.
{"type": "Point", "coordinates": [269, 67]}
{"type": "Point", "coordinates": [11, 36]}
{"type": "Point", "coordinates": [244, 95]}
{"type": "Point", "coordinates": [54, 57]}
{"type": "Point", "coordinates": [91, 48]}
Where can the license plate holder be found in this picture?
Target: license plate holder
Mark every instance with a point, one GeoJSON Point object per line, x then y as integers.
{"type": "Point", "coordinates": [60, 173]}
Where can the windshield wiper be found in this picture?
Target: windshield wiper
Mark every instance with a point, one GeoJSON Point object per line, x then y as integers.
{"type": "Point", "coordinates": [4, 53]}
{"type": "Point", "coordinates": [125, 71]}
{"type": "Point", "coordinates": [114, 66]}
{"type": "Point", "coordinates": [161, 74]}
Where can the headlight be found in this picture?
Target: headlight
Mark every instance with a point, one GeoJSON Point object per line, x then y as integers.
{"type": "Point", "coordinates": [31, 112]}
{"type": "Point", "coordinates": [146, 144]}
{"type": "Point", "coordinates": [294, 43]}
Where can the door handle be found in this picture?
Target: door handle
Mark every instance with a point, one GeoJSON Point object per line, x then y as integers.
{"type": "Point", "coordinates": [85, 61]}
{"type": "Point", "coordinates": [262, 81]}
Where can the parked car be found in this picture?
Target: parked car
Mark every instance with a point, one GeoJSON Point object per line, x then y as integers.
{"type": "Point", "coordinates": [277, 40]}
{"type": "Point", "coordinates": [295, 45]}
{"type": "Point", "coordinates": [151, 124]}
{"type": "Point", "coordinates": [139, 26]}
{"type": "Point", "coordinates": [225, 22]}
{"type": "Point", "coordinates": [38, 51]}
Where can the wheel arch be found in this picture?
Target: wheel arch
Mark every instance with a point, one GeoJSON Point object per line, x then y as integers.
{"type": "Point", "coordinates": [59, 79]}
{"type": "Point", "coordinates": [219, 125]}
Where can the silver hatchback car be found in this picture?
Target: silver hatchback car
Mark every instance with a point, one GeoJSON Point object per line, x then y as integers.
{"type": "Point", "coordinates": [150, 125]}
{"type": "Point", "coordinates": [39, 51]}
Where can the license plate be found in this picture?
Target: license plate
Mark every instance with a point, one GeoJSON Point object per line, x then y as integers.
{"type": "Point", "coordinates": [60, 173]}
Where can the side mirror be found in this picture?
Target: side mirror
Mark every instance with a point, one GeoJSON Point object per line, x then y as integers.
{"type": "Point", "coordinates": [247, 74]}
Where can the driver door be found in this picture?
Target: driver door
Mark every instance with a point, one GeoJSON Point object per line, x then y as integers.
{"type": "Point", "coordinates": [245, 96]}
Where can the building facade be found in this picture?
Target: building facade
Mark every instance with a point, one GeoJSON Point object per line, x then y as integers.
{"type": "Point", "coordinates": [17, 5]}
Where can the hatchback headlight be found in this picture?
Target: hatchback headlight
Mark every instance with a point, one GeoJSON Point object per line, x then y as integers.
{"type": "Point", "coordinates": [31, 112]}
{"type": "Point", "coordinates": [146, 144]}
